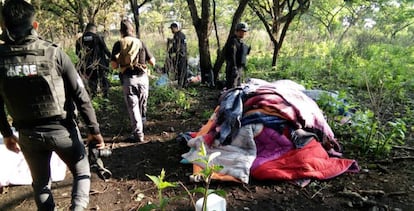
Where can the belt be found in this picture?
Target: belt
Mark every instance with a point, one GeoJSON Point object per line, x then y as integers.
{"type": "Point", "coordinates": [135, 75]}
{"type": "Point", "coordinates": [45, 121]}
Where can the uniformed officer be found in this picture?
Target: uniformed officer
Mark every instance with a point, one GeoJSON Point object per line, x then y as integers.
{"type": "Point", "coordinates": [178, 52]}
{"type": "Point", "coordinates": [235, 52]}
{"type": "Point", "coordinates": [40, 86]}
{"type": "Point", "coordinates": [93, 56]}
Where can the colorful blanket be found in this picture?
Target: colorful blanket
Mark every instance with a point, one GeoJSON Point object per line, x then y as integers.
{"type": "Point", "coordinates": [279, 133]}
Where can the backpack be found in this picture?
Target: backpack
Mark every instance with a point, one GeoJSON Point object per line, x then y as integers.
{"type": "Point", "coordinates": [128, 55]}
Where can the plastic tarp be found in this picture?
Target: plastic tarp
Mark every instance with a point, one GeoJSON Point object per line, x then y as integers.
{"type": "Point", "coordinates": [15, 171]}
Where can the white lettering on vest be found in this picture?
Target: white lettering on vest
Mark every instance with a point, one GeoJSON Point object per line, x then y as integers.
{"type": "Point", "coordinates": [22, 70]}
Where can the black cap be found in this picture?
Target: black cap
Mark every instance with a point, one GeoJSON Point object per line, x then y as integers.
{"type": "Point", "coordinates": [242, 27]}
{"type": "Point", "coordinates": [174, 25]}
{"type": "Point", "coordinates": [89, 27]}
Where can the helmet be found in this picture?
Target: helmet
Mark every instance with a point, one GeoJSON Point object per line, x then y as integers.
{"type": "Point", "coordinates": [175, 24]}
{"type": "Point", "coordinates": [242, 26]}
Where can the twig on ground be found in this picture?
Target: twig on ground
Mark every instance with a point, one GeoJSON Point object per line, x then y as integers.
{"type": "Point", "coordinates": [141, 162]}
{"type": "Point", "coordinates": [136, 192]}
{"type": "Point", "coordinates": [135, 207]}
{"type": "Point", "coordinates": [21, 203]}
{"type": "Point", "coordinates": [351, 194]}
{"type": "Point", "coordinates": [317, 192]}
{"type": "Point", "coordinates": [246, 188]}
{"type": "Point", "coordinates": [245, 200]}
{"type": "Point", "coordinates": [93, 192]}
{"type": "Point", "coordinates": [398, 193]}
{"type": "Point", "coordinates": [403, 158]}
{"type": "Point", "coordinates": [188, 192]}
{"type": "Point", "coordinates": [403, 147]}
{"type": "Point", "coordinates": [306, 193]}
{"type": "Point", "coordinates": [164, 107]}
{"type": "Point", "coordinates": [115, 138]}
{"type": "Point", "coordinates": [372, 192]}
{"type": "Point", "coordinates": [394, 159]}
{"type": "Point", "coordinates": [383, 169]}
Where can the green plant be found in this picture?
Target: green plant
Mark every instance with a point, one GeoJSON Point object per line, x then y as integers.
{"type": "Point", "coordinates": [161, 185]}
{"type": "Point", "coordinates": [207, 173]}
{"type": "Point", "coordinates": [182, 100]}
{"type": "Point", "coordinates": [373, 137]}
{"type": "Point", "coordinates": [99, 103]}
{"type": "Point", "coordinates": [206, 114]}
{"type": "Point", "coordinates": [113, 77]}
{"type": "Point", "coordinates": [72, 54]}
{"type": "Point", "coordinates": [168, 95]}
{"type": "Point", "coordinates": [335, 107]}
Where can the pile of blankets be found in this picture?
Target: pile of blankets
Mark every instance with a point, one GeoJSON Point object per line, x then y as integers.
{"type": "Point", "coordinates": [269, 131]}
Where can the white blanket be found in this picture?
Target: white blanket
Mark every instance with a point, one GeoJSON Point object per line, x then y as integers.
{"type": "Point", "coordinates": [236, 158]}
{"type": "Point", "coordinates": [15, 171]}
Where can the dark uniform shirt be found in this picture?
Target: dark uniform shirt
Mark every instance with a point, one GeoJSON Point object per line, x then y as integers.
{"type": "Point", "coordinates": [179, 45]}
{"type": "Point", "coordinates": [91, 48]}
{"type": "Point", "coordinates": [74, 93]}
{"type": "Point", "coordinates": [233, 52]}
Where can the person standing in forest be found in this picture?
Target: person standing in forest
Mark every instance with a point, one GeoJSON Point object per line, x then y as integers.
{"type": "Point", "coordinates": [235, 52]}
{"type": "Point", "coordinates": [93, 56]}
{"type": "Point", "coordinates": [40, 86]}
{"type": "Point", "coordinates": [178, 53]}
{"type": "Point", "coordinates": [130, 56]}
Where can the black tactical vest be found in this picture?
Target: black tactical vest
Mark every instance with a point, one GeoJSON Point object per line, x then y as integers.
{"type": "Point", "coordinates": [30, 83]}
{"type": "Point", "coordinates": [90, 47]}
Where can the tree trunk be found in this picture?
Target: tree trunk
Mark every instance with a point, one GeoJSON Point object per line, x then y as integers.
{"type": "Point", "coordinates": [137, 25]}
{"type": "Point", "coordinates": [282, 13]}
{"type": "Point", "coordinates": [201, 25]}
{"type": "Point", "coordinates": [135, 12]}
{"type": "Point", "coordinates": [281, 37]}
{"type": "Point", "coordinates": [80, 18]}
{"type": "Point", "coordinates": [205, 57]}
{"type": "Point", "coordinates": [81, 24]}
{"type": "Point", "coordinates": [275, 53]}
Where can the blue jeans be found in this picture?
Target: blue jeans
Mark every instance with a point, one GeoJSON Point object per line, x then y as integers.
{"type": "Point", "coordinates": [37, 145]}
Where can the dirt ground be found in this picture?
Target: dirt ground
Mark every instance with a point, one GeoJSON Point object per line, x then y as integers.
{"type": "Point", "coordinates": [386, 184]}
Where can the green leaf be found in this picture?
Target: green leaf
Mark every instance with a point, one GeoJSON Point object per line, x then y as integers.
{"type": "Point", "coordinates": [220, 192]}
{"type": "Point", "coordinates": [210, 191]}
{"type": "Point", "coordinates": [162, 175]}
{"type": "Point", "coordinates": [200, 160]}
{"type": "Point", "coordinates": [198, 190]}
{"type": "Point", "coordinates": [154, 179]}
{"type": "Point", "coordinates": [217, 168]}
{"type": "Point", "coordinates": [148, 207]}
{"type": "Point", "coordinates": [203, 150]}
{"type": "Point", "coordinates": [164, 202]}
{"type": "Point", "coordinates": [159, 181]}
{"type": "Point", "coordinates": [164, 185]}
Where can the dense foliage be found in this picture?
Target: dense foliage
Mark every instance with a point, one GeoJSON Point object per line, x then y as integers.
{"type": "Point", "coordinates": [360, 49]}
